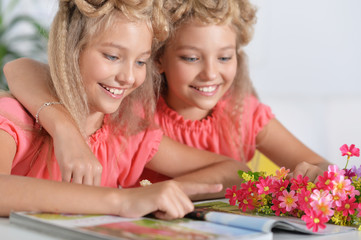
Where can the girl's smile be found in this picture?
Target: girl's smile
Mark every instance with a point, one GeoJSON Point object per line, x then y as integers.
{"type": "Point", "coordinates": [206, 90]}
{"type": "Point", "coordinates": [116, 93]}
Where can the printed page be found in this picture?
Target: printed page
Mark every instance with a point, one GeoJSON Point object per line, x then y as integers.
{"type": "Point", "coordinates": [113, 227]}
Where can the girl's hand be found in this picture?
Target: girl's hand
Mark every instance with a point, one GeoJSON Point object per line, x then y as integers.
{"type": "Point", "coordinates": [306, 169]}
{"type": "Point", "coordinates": [167, 200]}
{"type": "Point", "coordinates": [76, 161]}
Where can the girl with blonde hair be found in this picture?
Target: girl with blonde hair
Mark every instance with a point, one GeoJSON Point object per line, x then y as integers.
{"type": "Point", "coordinates": [207, 99]}
{"type": "Point", "coordinates": [100, 67]}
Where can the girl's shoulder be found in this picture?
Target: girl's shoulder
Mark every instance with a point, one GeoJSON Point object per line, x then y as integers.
{"type": "Point", "coordinates": [253, 106]}
{"type": "Point", "coordinates": [12, 109]}
{"type": "Point", "coordinates": [16, 121]}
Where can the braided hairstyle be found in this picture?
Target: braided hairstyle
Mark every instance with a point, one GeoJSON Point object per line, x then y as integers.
{"type": "Point", "coordinates": [75, 23]}
{"type": "Point", "coordinates": [241, 16]}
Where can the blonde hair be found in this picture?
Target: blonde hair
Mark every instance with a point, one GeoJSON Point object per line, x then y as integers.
{"type": "Point", "coordinates": [76, 22]}
{"type": "Point", "coordinates": [241, 16]}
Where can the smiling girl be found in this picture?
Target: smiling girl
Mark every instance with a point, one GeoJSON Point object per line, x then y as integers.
{"type": "Point", "coordinates": [100, 70]}
{"type": "Point", "coordinates": [208, 100]}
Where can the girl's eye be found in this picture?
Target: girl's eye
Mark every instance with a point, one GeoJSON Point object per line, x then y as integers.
{"type": "Point", "coordinates": [189, 59]}
{"type": "Point", "coordinates": [110, 57]}
{"type": "Point", "coordinates": [225, 59]}
{"type": "Point", "coordinates": [141, 63]}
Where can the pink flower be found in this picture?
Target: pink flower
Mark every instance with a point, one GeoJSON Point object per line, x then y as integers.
{"type": "Point", "coordinates": [341, 186]}
{"type": "Point", "coordinates": [325, 182]}
{"type": "Point", "coordinates": [314, 219]}
{"type": "Point", "coordinates": [279, 186]}
{"type": "Point", "coordinates": [304, 199]}
{"type": "Point", "coordinates": [277, 208]}
{"type": "Point", "coordinates": [232, 194]}
{"type": "Point", "coordinates": [248, 187]}
{"type": "Point", "coordinates": [288, 200]}
{"type": "Point", "coordinates": [352, 192]}
{"type": "Point", "coordinates": [299, 183]}
{"type": "Point", "coordinates": [322, 201]}
{"type": "Point", "coordinates": [282, 173]}
{"type": "Point", "coordinates": [350, 151]}
{"type": "Point", "coordinates": [245, 202]}
{"type": "Point", "coordinates": [265, 186]}
{"type": "Point", "coordinates": [338, 172]}
{"type": "Point", "coordinates": [321, 196]}
{"type": "Point", "coordinates": [324, 207]}
{"type": "Point", "coordinates": [348, 206]}
{"type": "Point", "coordinates": [337, 199]}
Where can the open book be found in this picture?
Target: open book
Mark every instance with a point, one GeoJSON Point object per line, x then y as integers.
{"type": "Point", "coordinates": [220, 212]}
{"type": "Point", "coordinates": [217, 220]}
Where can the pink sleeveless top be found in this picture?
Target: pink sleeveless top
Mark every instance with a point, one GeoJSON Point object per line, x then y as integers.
{"type": "Point", "coordinates": [123, 160]}
{"type": "Point", "coordinates": [204, 134]}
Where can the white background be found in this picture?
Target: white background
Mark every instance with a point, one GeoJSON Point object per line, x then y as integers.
{"type": "Point", "coordinates": [305, 62]}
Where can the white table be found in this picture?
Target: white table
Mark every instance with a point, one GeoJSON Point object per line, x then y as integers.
{"type": "Point", "coordinates": [13, 232]}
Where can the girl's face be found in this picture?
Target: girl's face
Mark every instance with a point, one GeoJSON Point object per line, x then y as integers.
{"type": "Point", "coordinates": [114, 64]}
{"type": "Point", "coordinates": [200, 64]}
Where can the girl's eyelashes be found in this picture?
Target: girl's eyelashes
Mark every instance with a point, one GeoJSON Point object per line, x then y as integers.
{"type": "Point", "coordinates": [194, 59]}
{"type": "Point", "coordinates": [110, 57]}
{"type": "Point", "coordinates": [224, 59]}
{"type": "Point", "coordinates": [189, 59]}
{"type": "Point", "coordinates": [141, 63]}
{"type": "Point", "coordinates": [115, 58]}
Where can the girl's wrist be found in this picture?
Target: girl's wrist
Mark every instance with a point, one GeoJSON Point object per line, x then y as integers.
{"type": "Point", "coordinates": [55, 119]}
{"type": "Point", "coordinates": [114, 201]}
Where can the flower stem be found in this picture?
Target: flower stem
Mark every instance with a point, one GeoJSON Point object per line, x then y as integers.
{"type": "Point", "coordinates": [348, 158]}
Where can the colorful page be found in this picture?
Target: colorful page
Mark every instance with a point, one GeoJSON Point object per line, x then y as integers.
{"type": "Point", "coordinates": [113, 227]}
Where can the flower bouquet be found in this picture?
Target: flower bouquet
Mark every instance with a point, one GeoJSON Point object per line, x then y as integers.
{"type": "Point", "coordinates": [334, 198]}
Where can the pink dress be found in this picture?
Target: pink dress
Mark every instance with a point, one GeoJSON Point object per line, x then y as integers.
{"type": "Point", "coordinates": [204, 134]}
{"type": "Point", "coordinates": [122, 163]}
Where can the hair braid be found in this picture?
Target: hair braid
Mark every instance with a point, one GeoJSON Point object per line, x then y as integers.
{"type": "Point", "coordinates": [60, 68]}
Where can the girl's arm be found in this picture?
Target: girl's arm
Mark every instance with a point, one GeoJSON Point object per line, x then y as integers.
{"type": "Point", "coordinates": [167, 199]}
{"type": "Point", "coordinates": [28, 82]}
{"type": "Point", "coordinates": [185, 163]}
{"type": "Point", "coordinates": [283, 148]}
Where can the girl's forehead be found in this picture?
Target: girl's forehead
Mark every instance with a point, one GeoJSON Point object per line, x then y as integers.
{"type": "Point", "coordinates": [199, 32]}
{"type": "Point", "coordinates": [122, 30]}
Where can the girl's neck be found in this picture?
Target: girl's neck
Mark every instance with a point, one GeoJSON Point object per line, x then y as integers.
{"type": "Point", "coordinates": [93, 122]}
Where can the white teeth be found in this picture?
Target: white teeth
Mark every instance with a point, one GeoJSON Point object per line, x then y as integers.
{"type": "Point", "coordinates": [114, 90]}
{"type": "Point", "coordinates": [207, 89]}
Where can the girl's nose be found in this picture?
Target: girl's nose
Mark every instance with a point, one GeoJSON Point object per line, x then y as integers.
{"type": "Point", "coordinates": [209, 71]}
{"type": "Point", "coordinates": [125, 75]}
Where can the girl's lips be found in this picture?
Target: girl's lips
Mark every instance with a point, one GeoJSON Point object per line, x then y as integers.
{"type": "Point", "coordinates": [113, 92]}
{"type": "Point", "coordinates": [206, 90]}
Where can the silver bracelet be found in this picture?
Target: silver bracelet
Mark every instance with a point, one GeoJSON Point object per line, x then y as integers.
{"type": "Point", "coordinates": [41, 108]}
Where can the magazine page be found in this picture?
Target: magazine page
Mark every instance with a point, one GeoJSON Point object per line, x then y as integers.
{"type": "Point", "coordinates": [221, 212]}
{"type": "Point", "coordinates": [113, 227]}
